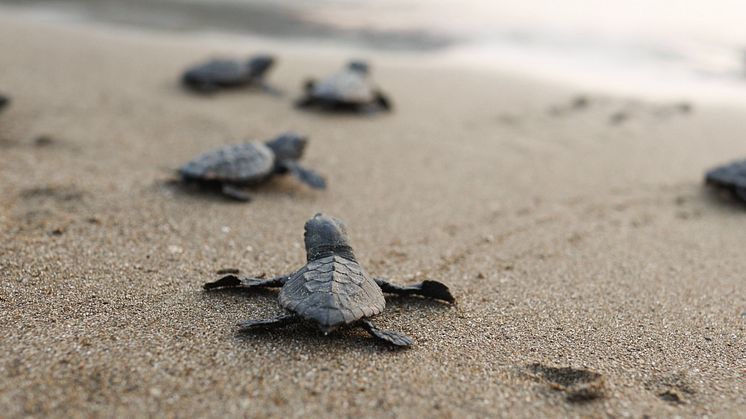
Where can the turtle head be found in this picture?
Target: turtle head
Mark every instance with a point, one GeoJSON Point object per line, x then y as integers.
{"type": "Point", "coordinates": [288, 146]}
{"type": "Point", "coordinates": [259, 64]}
{"type": "Point", "coordinates": [358, 66]}
{"type": "Point", "coordinates": [326, 236]}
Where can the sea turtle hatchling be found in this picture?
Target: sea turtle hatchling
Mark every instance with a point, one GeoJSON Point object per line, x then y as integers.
{"type": "Point", "coordinates": [730, 177]}
{"type": "Point", "coordinates": [230, 168]}
{"type": "Point", "coordinates": [332, 289]}
{"type": "Point", "coordinates": [215, 74]}
{"type": "Point", "coordinates": [348, 90]}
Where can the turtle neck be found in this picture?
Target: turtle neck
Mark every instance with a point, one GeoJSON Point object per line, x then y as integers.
{"type": "Point", "coordinates": [322, 251]}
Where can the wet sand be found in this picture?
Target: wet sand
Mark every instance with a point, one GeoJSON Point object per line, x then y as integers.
{"type": "Point", "coordinates": [594, 274]}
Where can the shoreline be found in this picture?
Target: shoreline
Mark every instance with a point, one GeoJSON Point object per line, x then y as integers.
{"type": "Point", "coordinates": [287, 28]}
{"type": "Point", "coordinates": [573, 236]}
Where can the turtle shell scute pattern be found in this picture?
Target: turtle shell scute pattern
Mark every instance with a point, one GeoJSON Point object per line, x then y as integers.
{"type": "Point", "coordinates": [347, 87]}
{"type": "Point", "coordinates": [241, 163]}
{"type": "Point", "coordinates": [332, 291]}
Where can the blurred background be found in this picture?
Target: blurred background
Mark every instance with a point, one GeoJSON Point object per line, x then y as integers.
{"type": "Point", "coordinates": [641, 47]}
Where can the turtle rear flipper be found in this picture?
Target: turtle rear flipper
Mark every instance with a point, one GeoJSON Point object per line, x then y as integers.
{"type": "Point", "coordinates": [394, 338]}
{"type": "Point", "coordinates": [233, 281]}
{"type": "Point", "coordinates": [235, 192]}
{"type": "Point", "coordinates": [272, 322]}
{"type": "Point", "coordinates": [740, 193]}
{"type": "Point", "coordinates": [307, 176]}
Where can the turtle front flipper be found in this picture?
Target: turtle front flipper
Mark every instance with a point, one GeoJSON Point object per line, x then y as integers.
{"type": "Point", "coordinates": [394, 338]}
{"type": "Point", "coordinates": [233, 281]}
{"type": "Point", "coordinates": [307, 176]}
{"type": "Point", "coordinates": [309, 85]}
{"type": "Point", "coordinates": [235, 192]}
{"type": "Point", "coordinates": [383, 101]}
{"type": "Point", "coordinates": [308, 100]}
{"type": "Point", "coordinates": [273, 322]}
{"type": "Point", "coordinates": [428, 289]}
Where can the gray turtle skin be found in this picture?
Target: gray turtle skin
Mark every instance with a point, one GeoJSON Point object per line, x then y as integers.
{"type": "Point", "coordinates": [730, 177]}
{"type": "Point", "coordinates": [332, 290]}
{"type": "Point", "coordinates": [350, 90]}
{"type": "Point", "coordinates": [233, 167]}
{"type": "Point", "coordinates": [219, 74]}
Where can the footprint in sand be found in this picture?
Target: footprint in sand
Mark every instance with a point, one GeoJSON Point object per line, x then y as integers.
{"type": "Point", "coordinates": [49, 206]}
{"type": "Point", "coordinates": [673, 388]}
{"type": "Point", "coordinates": [578, 385]}
{"type": "Point", "coordinates": [39, 142]}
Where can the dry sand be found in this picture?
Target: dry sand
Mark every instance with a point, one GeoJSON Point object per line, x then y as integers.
{"type": "Point", "coordinates": [568, 239]}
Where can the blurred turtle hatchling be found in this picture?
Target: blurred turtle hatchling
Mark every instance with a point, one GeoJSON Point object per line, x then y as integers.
{"type": "Point", "coordinates": [221, 73]}
{"type": "Point", "coordinates": [350, 90]}
{"type": "Point", "coordinates": [232, 168]}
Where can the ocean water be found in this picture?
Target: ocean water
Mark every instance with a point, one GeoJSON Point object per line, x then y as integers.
{"type": "Point", "coordinates": [682, 48]}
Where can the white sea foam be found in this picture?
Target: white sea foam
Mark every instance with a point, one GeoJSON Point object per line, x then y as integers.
{"type": "Point", "coordinates": [649, 47]}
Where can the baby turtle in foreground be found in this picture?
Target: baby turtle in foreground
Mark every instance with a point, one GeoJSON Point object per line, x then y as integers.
{"type": "Point", "coordinates": [332, 289]}
{"type": "Point", "coordinates": [350, 90]}
{"type": "Point", "coordinates": [224, 73]}
{"type": "Point", "coordinates": [730, 178]}
{"type": "Point", "coordinates": [232, 167]}
{"type": "Point", "coordinates": [4, 101]}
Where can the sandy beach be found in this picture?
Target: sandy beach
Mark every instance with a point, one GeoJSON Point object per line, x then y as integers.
{"type": "Point", "coordinates": [595, 275]}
